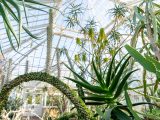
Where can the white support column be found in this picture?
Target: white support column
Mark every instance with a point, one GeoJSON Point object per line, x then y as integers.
{"type": "Point", "coordinates": [45, 98]}
{"type": "Point", "coordinates": [33, 98]}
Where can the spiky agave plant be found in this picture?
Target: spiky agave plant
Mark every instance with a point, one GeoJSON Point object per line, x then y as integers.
{"type": "Point", "coordinates": [12, 8]}
{"type": "Point", "coordinates": [110, 82]}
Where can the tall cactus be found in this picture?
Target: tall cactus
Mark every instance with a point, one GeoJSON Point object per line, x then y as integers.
{"type": "Point", "coordinates": [83, 112]}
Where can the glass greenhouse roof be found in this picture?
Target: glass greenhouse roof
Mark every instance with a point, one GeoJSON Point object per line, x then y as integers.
{"type": "Point", "coordinates": [34, 51]}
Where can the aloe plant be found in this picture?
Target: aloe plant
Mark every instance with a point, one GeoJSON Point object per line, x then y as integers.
{"type": "Point", "coordinates": [110, 82]}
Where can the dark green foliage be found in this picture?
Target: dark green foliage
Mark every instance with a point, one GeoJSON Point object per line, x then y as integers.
{"type": "Point", "coordinates": [120, 115]}
{"type": "Point", "coordinates": [109, 84]}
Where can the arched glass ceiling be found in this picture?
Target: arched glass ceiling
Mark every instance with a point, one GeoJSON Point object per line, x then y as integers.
{"type": "Point", "coordinates": [34, 51]}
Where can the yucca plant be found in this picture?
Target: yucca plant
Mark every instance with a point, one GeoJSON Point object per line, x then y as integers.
{"type": "Point", "coordinates": [109, 84]}
{"type": "Point", "coordinates": [12, 8]}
